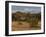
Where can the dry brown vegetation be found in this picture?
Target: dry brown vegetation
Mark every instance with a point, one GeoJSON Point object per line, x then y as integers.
{"type": "Point", "coordinates": [25, 21]}
{"type": "Point", "coordinates": [20, 26]}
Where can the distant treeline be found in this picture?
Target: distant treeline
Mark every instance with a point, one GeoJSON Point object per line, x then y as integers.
{"type": "Point", "coordinates": [22, 16]}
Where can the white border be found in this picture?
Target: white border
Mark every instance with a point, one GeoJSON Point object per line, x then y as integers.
{"type": "Point", "coordinates": [28, 31]}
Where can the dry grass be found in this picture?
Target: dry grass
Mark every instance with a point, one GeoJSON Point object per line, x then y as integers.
{"type": "Point", "coordinates": [20, 26]}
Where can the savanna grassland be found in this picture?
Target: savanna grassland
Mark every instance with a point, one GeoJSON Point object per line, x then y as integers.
{"type": "Point", "coordinates": [25, 21]}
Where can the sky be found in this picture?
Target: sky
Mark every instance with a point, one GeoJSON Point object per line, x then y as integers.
{"type": "Point", "coordinates": [26, 9]}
